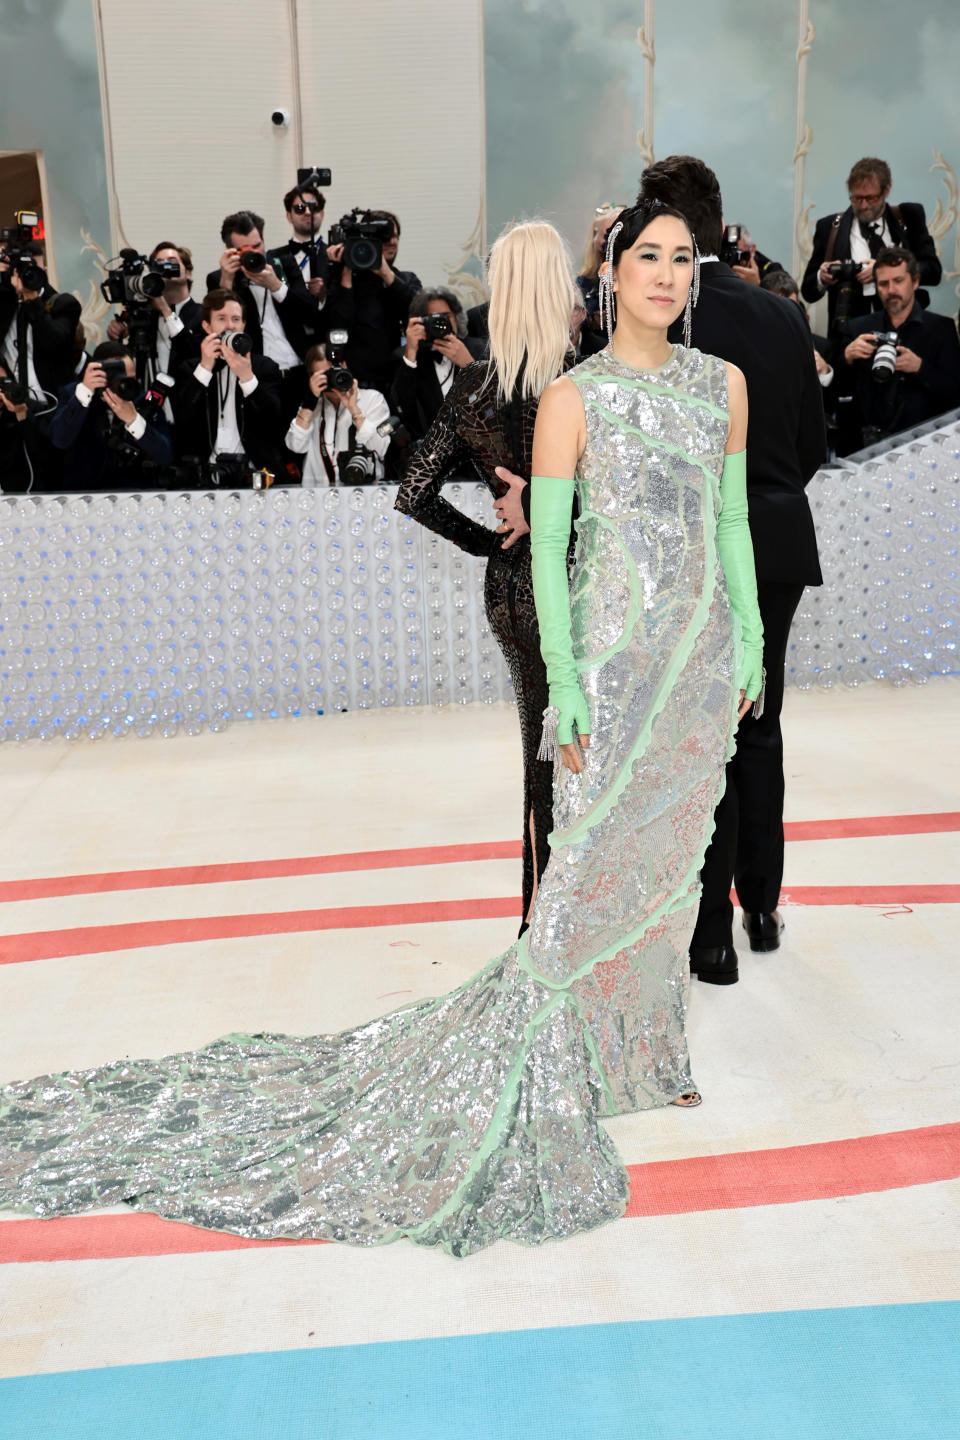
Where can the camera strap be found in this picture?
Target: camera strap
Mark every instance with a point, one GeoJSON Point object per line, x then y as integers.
{"type": "Point", "coordinates": [324, 452]}
{"type": "Point", "coordinates": [832, 238]}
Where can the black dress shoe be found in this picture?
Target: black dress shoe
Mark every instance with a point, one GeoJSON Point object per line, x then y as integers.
{"type": "Point", "coordinates": [716, 964]}
{"type": "Point", "coordinates": [763, 930]}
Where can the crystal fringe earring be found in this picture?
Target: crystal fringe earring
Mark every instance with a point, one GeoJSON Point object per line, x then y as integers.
{"type": "Point", "coordinates": [693, 295]}
{"type": "Point", "coordinates": [606, 285]}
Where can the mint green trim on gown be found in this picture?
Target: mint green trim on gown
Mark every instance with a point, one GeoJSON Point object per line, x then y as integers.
{"type": "Point", "coordinates": [476, 1116]}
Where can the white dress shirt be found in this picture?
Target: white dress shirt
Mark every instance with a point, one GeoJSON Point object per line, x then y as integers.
{"type": "Point", "coordinates": [335, 421]}
{"type": "Point", "coordinates": [11, 358]}
{"type": "Point", "coordinates": [445, 368]}
{"type": "Point", "coordinates": [275, 343]}
{"type": "Point", "coordinates": [228, 441]}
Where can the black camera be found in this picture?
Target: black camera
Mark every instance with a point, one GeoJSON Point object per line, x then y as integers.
{"type": "Point", "coordinates": [16, 247]}
{"type": "Point", "coordinates": [314, 179]}
{"type": "Point", "coordinates": [137, 280]}
{"type": "Point", "coordinates": [124, 386]}
{"type": "Point", "coordinates": [338, 376]}
{"type": "Point", "coordinates": [437, 327]}
{"type": "Point", "coordinates": [844, 270]}
{"type": "Point", "coordinates": [251, 260]}
{"type": "Point", "coordinates": [362, 239]}
{"type": "Point", "coordinates": [884, 361]}
{"type": "Point", "coordinates": [731, 252]}
{"type": "Point", "coordinates": [16, 393]}
{"type": "Point", "coordinates": [236, 340]}
{"type": "Point", "coordinates": [357, 467]}
{"type": "Point", "coordinates": [845, 273]}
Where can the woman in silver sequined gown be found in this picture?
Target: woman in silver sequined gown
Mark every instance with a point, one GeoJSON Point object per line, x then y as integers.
{"type": "Point", "coordinates": [477, 1116]}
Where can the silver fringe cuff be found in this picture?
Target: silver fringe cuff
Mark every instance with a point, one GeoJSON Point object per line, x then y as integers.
{"type": "Point", "coordinates": [761, 696]}
{"type": "Point", "coordinates": [549, 744]}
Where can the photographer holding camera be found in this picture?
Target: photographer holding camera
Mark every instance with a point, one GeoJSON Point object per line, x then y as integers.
{"type": "Point", "coordinates": [227, 406]}
{"type": "Point", "coordinates": [280, 315]}
{"type": "Point", "coordinates": [367, 296]}
{"type": "Point", "coordinates": [165, 326]}
{"type": "Point", "coordinates": [305, 206]}
{"type": "Point", "coordinates": [437, 346]}
{"type": "Point", "coordinates": [336, 424]}
{"type": "Point", "coordinates": [38, 326]}
{"type": "Point", "coordinates": [905, 360]}
{"type": "Point", "coordinates": [846, 246]}
{"type": "Point", "coordinates": [100, 424]}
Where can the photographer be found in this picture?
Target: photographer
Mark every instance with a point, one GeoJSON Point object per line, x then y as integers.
{"type": "Point", "coordinates": [280, 315]}
{"type": "Point", "coordinates": [372, 304]}
{"type": "Point", "coordinates": [168, 324]}
{"type": "Point", "coordinates": [38, 325]}
{"type": "Point", "coordinates": [737, 249]}
{"type": "Point", "coordinates": [305, 208]}
{"type": "Point", "coordinates": [856, 236]}
{"type": "Point", "coordinates": [437, 346]}
{"type": "Point", "coordinates": [227, 406]}
{"type": "Point", "coordinates": [905, 360]}
{"type": "Point", "coordinates": [333, 423]}
{"type": "Point", "coordinates": [108, 442]}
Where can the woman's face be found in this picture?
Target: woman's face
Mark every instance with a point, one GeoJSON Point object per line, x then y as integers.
{"type": "Point", "coordinates": [653, 277]}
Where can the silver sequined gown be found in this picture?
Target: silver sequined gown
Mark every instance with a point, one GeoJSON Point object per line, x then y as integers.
{"type": "Point", "coordinates": [476, 1116]}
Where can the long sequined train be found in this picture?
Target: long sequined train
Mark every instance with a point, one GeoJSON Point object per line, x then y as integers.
{"type": "Point", "coordinates": [476, 1116]}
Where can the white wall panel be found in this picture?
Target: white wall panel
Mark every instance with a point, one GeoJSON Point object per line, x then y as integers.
{"type": "Point", "coordinates": [190, 85]}
{"type": "Point", "coordinates": [393, 103]}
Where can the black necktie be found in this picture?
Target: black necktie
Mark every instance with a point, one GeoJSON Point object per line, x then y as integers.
{"type": "Point", "coordinates": [874, 237]}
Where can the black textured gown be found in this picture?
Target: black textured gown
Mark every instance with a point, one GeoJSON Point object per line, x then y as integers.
{"type": "Point", "coordinates": [471, 426]}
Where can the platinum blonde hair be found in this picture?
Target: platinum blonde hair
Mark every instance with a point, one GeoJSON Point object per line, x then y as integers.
{"type": "Point", "coordinates": [532, 299]}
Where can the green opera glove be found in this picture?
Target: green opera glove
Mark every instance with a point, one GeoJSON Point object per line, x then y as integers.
{"type": "Point", "coordinates": [735, 548]}
{"type": "Point", "coordinates": [551, 508]}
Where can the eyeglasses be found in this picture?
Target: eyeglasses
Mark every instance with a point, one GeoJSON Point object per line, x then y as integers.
{"type": "Point", "coordinates": [867, 199]}
{"type": "Point", "coordinates": [300, 209]}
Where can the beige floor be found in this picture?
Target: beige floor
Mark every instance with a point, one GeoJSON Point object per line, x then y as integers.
{"type": "Point", "coordinates": [848, 1030]}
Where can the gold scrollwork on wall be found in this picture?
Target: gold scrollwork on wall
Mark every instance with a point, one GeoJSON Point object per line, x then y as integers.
{"type": "Point", "coordinates": [945, 217]}
{"type": "Point", "coordinates": [647, 50]}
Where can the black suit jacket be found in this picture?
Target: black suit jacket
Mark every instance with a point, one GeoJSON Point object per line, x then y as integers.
{"type": "Point", "coordinates": [53, 318]}
{"type": "Point", "coordinates": [910, 230]}
{"type": "Point", "coordinates": [259, 416]}
{"type": "Point", "coordinates": [90, 463]}
{"type": "Point", "coordinates": [908, 399]}
{"type": "Point", "coordinates": [298, 313]}
{"type": "Point", "coordinates": [314, 325]}
{"type": "Point", "coordinates": [769, 340]}
{"type": "Point", "coordinates": [374, 316]}
{"type": "Point", "coordinates": [416, 394]}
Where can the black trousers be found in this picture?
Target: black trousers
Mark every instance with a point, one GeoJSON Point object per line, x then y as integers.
{"type": "Point", "coordinates": [747, 846]}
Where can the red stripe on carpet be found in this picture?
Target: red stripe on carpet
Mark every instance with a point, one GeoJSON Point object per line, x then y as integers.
{"type": "Point", "coordinates": [99, 939]}
{"type": "Point", "coordinates": [142, 934]}
{"type": "Point", "coordinates": [862, 826]}
{"type": "Point", "coordinates": [824, 1171]}
{"type": "Point", "coordinates": [47, 886]}
{"type": "Point", "coordinates": [861, 1166]}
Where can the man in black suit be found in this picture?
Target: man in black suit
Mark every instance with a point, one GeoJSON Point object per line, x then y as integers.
{"type": "Point", "coordinates": [108, 441]}
{"type": "Point", "coordinates": [429, 365]}
{"type": "Point", "coordinates": [867, 226]}
{"type": "Point", "coordinates": [38, 329]}
{"type": "Point", "coordinates": [229, 419]}
{"type": "Point", "coordinates": [372, 306]}
{"type": "Point", "coordinates": [280, 314]}
{"type": "Point", "coordinates": [305, 207]}
{"type": "Point", "coordinates": [924, 380]}
{"type": "Point", "coordinates": [770, 342]}
{"type": "Point", "coordinates": [169, 325]}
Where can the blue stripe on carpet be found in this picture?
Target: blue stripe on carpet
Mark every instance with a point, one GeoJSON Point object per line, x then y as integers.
{"type": "Point", "coordinates": [853, 1374]}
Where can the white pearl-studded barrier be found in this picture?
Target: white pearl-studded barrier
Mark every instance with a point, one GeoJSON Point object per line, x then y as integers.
{"type": "Point", "coordinates": [163, 612]}
{"type": "Point", "coordinates": [888, 529]}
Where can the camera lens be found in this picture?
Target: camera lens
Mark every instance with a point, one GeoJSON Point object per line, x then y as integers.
{"type": "Point", "coordinates": [253, 261]}
{"type": "Point", "coordinates": [363, 254]}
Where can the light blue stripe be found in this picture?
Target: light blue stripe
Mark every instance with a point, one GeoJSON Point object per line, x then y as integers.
{"type": "Point", "coordinates": [851, 1374]}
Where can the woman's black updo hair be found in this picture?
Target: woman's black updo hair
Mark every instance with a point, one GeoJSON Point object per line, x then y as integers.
{"type": "Point", "coordinates": [635, 221]}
